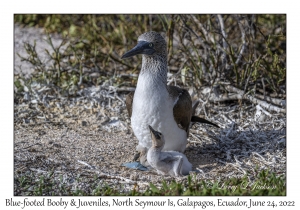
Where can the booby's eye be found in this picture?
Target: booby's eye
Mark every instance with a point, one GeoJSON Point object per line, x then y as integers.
{"type": "Point", "coordinates": [150, 45]}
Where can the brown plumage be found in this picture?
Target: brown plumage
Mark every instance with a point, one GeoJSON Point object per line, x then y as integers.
{"type": "Point", "coordinates": [128, 102]}
{"type": "Point", "coordinates": [182, 110]}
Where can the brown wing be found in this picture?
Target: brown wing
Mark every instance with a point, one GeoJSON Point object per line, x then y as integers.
{"type": "Point", "coordinates": [182, 109]}
{"type": "Point", "coordinates": [128, 102]}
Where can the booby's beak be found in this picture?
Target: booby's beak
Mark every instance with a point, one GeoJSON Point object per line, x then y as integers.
{"type": "Point", "coordinates": [155, 133]}
{"type": "Point", "coordinates": [142, 47]}
{"type": "Point", "coordinates": [151, 129]}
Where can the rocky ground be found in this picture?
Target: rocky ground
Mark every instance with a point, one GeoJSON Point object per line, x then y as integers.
{"type": "Point", "coordinates": [89, 135]}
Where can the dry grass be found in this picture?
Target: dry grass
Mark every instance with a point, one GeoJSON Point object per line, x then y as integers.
{"type": "Point", "coordinates": [90, 137]}
{"type": "Point", "coordinates": [72, 131]}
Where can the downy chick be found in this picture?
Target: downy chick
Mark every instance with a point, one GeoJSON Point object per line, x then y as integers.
{"type": "Point", "coordinates": [168, 162]}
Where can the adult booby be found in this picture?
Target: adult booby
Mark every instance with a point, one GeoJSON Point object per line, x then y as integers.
{"type": "Point", "coordinates": [166, 108]}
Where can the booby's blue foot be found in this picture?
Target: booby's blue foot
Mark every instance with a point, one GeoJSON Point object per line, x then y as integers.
{"type": "Point", "coordinates": [135, 165]}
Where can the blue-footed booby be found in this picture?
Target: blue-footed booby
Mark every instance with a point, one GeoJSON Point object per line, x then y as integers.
{"type": "Point", "coordinates": [166, 108]}
{"type": "Point", "coordinates": [169, 162]}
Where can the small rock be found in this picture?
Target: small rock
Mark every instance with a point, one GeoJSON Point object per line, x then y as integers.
{"type": "Point", "coordinates": [26, 97]}
{"type": "Point", "coordinates": [26, 88]}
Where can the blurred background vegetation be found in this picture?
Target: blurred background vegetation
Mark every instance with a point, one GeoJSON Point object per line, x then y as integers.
{"type": "Point", "coordinates": [246, 51]}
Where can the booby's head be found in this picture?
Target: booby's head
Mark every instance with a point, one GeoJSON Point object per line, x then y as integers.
{"type": "Point", "coordinates": [150, 43]}
{"type": "Point", "coordinates": [158, 140]}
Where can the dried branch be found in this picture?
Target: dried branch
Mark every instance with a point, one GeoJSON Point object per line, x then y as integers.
{"type": "Point", "coordinates": [269, 99]}
{"type": "Point", "coordinates": [243, 41]}
{"type": "Point", "coordinates": [239, 94]}
{"type": "Point", "coordinates": [207, 35]}
{"type": "Point", "coordinates": [225, 45]}
{"type": "Point", "coordinates": [254, 100]}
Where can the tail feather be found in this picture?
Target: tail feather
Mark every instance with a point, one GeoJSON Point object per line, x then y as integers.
{"type": "Point", "coordinates": [201, 120]}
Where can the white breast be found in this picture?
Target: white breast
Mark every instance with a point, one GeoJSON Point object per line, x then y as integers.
{"type": "Point", "coordinates": [153, 106]}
